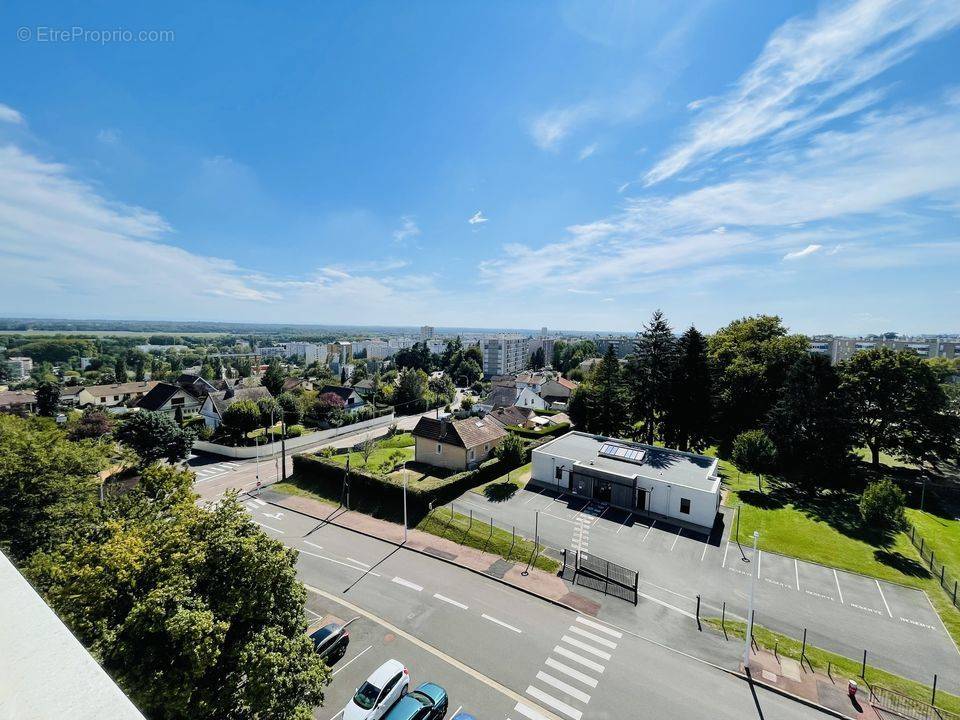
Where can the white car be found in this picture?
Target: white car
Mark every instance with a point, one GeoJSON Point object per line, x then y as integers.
{"type": "Point", "coordinates": [382, 689]}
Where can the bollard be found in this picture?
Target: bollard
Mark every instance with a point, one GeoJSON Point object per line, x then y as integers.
{"type": "Point", "coordinates": [803, 649]}
{"type": "Point", "coordinates": [723, 616]}
{"type": "Point", "coordinates": [954, 592]}
{"type": "Point", "coordinates": [863, 667]}
{"type": "Point", "coordinates": [830, 669]}
{"type": "Point", "coordinates": [933, 697]}
{"type": "Point", "coordinates": [698, 608]}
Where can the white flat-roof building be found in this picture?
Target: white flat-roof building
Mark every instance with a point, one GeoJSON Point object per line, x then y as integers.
{"type": "Point", "coordinates": [642, 478]}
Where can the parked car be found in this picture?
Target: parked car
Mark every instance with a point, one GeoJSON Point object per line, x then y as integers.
{"type": "Point", "coordinates": [382, 689]}
{"type": "Point", "coordinates": [331, 641]}
{"type": "Point", "coordinates": [427, 702]}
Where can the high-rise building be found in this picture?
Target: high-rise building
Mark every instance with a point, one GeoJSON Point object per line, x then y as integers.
{"type": "Point", "coordinates": [622, 345]}
{"type": "Point", "coordinates": [19, 367]}
{"type": "Point", "coordinates": [311, 352]}
{"type": "Point", "coordinates": [503, 355]}
{"type": "Point", "coordinates": [426, 332]}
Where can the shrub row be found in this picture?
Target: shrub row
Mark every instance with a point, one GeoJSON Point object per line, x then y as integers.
{"type": "Point", "coordinates": [551, 431]}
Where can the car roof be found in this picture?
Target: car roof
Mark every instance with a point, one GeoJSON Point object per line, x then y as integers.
{"type": "Point", "coordinates": [381, 676]}
{"type": "Point", "coordinates": [432, 690]}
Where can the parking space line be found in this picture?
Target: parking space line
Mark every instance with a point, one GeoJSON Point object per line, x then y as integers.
{"type": "Point", "coordinates": [600, 515]}
{"type": "Point", "coordinates": [563, 687]}
{"type": "Point", "coordinates": [675, 539]}
{"type": "Point", "coordinates": [839, 591]}
{"type": "Point", "coordinates": [357, 657]}
{"type": "Point", "coordinates": [270, 528]}
{"type": "Point", "coordinates": [566, 520]}
{"type": "Point", "coordinates": [796, 570]}
{"type": "Point", "coordinates": [595, 638]}
{"type": "Point", "coordinates": [648, 530]}
{"type": "Point", "coordinates": [571, 655]}
{"type": "Point", "coordinates": [339, 713]}
{"type": "Point", "coordinates": [557, 705]}
{"type": "Point", "coordinates": [570, 672]}
{"type": "Point", "coordinates": [759, 560]}
{"type": "Point", "coordinates": [534, 497]}
{"type": "Point", "coordinates": [459, 708]}
{"type": "Point", "coordinates": [601, 628]}
{"type": "Point", "coordinates": [445, 599]}
{"type": "Point", "coordinates": [587, 648]}
{"type": "Point", "coordinates": [667, 605]}
{"type": "Point", "coordinates": [623, 524]}
{"type": "Point", "coordinates": [725, 550]}
{"type": "Point", "coordinates": [883, 598]}
{"type": "Point", "coordinates": [704, 553]}
{"type": "Point", "coordinates": [500, 622]}
{"type": "Point", "coordinates": [407, 583]}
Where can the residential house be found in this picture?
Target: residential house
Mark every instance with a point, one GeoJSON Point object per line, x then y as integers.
{"type": "Point", "coordinates": [70, 395]}
{"type": "Point", "coordinates": [512, 415]}
{"type": "Point", "coordinates": [456, 444]}
{"type": "Point", "coordinates": [532, 380]}
{"type": "Point", "coordinates": [297, 384]}
{"type": "Point", "coordinates": [557, 392]}
{"type": "Point", "coordinates": [503, 396]}
{"type": "Point", "coordinates": [351, 398]}
{"type": "Point", "coordinates": [216, 403]}
{"type": "Point", "coordinates": [115, 395]}
{"type": "Point", "coordinates": [181, 399]}
{"type": "Point", "coordinates": [17, 402]}
{"type": "Point", "coordinates": [365, 388]}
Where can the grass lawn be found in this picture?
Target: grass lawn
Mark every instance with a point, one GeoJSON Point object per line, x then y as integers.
{"type": "Point", "coordinates": [290, 487]}
{"type": "Point", "coordinates": [504, 487]}
{"type": "Point", "coordinates": [827, 529]}
{"type": "Point", "coordinates": [400, 440]}
{"type": "Point", "coordinates": [379, 458]}
{"type": "Point", "coordinates": [842, 668]}
{"type": "Point", "coordinates": [888, 460]}
{"type": "Point", "coordinates": [940, 534]}
{"type": "Point", "coordinates": [454, 526]}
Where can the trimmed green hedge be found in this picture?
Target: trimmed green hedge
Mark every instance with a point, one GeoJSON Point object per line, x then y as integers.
{"type": "Point", "coordinates": [550, 431]}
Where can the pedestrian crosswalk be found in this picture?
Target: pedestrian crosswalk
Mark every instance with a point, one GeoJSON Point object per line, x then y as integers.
{"type": "Point", "coordinates": [570, 672]}
{"type": "Point", "coordinates": [209, 472]}
{"type": "Point", "coordinates": [582, 523]}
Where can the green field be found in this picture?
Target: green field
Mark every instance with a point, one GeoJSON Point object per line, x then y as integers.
{"type": "Point", "coordinates": [379, 461]}
{"type": "Point", "coordinates": [940, 534]}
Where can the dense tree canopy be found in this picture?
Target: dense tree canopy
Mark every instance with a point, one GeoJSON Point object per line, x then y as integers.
{"type": "Point", "coordinates": [154, 435]}
{"type": "Point", "coordinates": [273, 378]}
{"type": "Point", "coordinates": [650, 375]}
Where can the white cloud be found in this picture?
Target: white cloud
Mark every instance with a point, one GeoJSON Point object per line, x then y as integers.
{"type": "Point", "coordinates": [408, 229]}
{"type": "Point", "coordinates": [806, 64]}
{"type": "Point", "coordinates": [588, 151]}
{"type": "Point", "coordinates": [478, 218]}
{"type": "Point", "coordinates": [109, 136]}
{"type": "Point", "coordinates": [808, 250]}
{"type": "Point", "coordinates": [9, 115]}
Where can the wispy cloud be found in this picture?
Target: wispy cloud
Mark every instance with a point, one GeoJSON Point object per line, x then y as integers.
{"type": "Point", "coordinates": [109, 136]}
{"type": "Point", "coordinates": [805, 65]}
{"type": "Point", "coordinates": [477, 218]}
{"type": "Point", "coordinates": [408, 229]}
{"type": "Point", "coordinates": [808, 250]}
{"type": "Point", "coordinates": [588, 151]}
{"type": "Point", "coordinates": [9, 115]}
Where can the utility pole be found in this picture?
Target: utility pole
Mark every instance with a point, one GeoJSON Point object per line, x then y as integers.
{"type": "Point", "coordinates": [404, 502]}
{"type": "Point", "coordinates": [748, 636]}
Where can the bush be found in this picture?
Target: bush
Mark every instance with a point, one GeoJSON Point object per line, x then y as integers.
{"type": "Point", "coordinates": [294, 431]}
{"type": "Point", "coordinates": [549, 431]}
{"type": "Point", "coordinates": [510, 451]}
{"type": "Point", "coordinates": [881, 505]}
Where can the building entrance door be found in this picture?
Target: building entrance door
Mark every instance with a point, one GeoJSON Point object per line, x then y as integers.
{"type": "Point", "coordinates": [602, 489]}
{"type": "Point", "coordinates": [641, 501]}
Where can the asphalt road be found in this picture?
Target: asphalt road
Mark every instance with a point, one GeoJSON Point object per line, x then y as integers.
{"type": "Point", "coordinates": [500, 653]}
{"type": "Point", "coordinates": [843, 612]}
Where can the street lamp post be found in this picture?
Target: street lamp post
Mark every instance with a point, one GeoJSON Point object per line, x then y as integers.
{"type": "Point", "coordinates": [748, 637]}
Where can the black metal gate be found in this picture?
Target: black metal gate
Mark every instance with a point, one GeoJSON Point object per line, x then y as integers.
{"type": "Point", "coordinates": [602, 575]}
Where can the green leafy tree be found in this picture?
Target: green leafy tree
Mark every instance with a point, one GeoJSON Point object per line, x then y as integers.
{"type": "Point", "coordinates": [269, 411]}
{"type": "Point", "coordinates": [241, 417]}
{"type": "Point", "coordinates": [410, 396]}
{"type": "Point", "coordinates": [417, 357]}
{"type": "Point", "coordinates": [650, 375]}
{"type": "Point", "coordinates": [140, 369]}
{"type": "Point", "coordinates": [897, 405]}
{"type": "Point", "coordinates": [511, 451]}
{"type": "Point", "coordinates": [48, 485]}
{"type": "Point", "coordinates": [273, 378]}
{"type": "Point", "coordinates": [292, 408]}
{"type": "Point", "coordinates": [466, 403]}
{"type": "Point", "coordinates": [120, 369]}
{"type": "Point", "coordinates": [754, 452]}
{"type": "Point", "coordinates": [48, 398]}
{"type": "Point", "coordinates": [687, 423]}
{"type": "Point", "coordinates": [93, 424]}
{"type": "Point", "coordinates": [360, 372]}
{"type": "Point", "coordinates": [881, 505]}
{"type": "Point", "coordinates": [154, 435]}
{"type": "Point", "coordinates": [538, 359]}
{"type": "Point", "coordinates": [474, 353]}
{"type": "Point", "coordinates": [599, 404]}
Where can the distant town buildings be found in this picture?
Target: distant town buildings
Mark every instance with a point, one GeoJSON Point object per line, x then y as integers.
{"type": "Point", "coordinates": [426, 332]}
{"type": "Point", "coordinates": [19, 367]}
{"type": "Point", "coordinates": [503, 354]}
{"type": "Point", "coordinates": [839, 349]}
{"type": "Point", "coordinates": [622, 344]}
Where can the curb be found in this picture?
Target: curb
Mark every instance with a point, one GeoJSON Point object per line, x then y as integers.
{"type": "Point", "coordinates": [527, 591]}
{"type": "Point", "coordinates": [789, 695]}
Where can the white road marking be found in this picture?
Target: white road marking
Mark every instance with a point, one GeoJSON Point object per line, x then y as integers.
{"type": "Point", "coordinates": [586, 648]}
{"type": "Point", "coordinates": [601, 628]}
{"type": "Point", "coordinates": [595, 638]}
{"type": "Point", "coordinates": [541, 714]}
{"type": "Point", "coordinates": [667, 605]}
{"type": "Point", "coordinates": [675, 539]}
{"type": "Point", "coordinates": [648, 530]}
{"type": "Point", "coordinates": [445, 599]}
{"type": "Point", "coordinates": [535, 496]}
{"type": "Point", "coordinates": [318, 547]}
{"type": "Point", "coordinates": [500, 622]}
{"type": "Point", "coordinates": [250, 506]}
{"type": "Point", "coordinates": [339, 713]}
{"type": "Point", "coordinates": [563, 687]}
{"type": "Point", "coordinates": [759, 560]}
{"type": "Point", "coordinates": [725, 550]}
{"type": "Point", "coordinates": [601, 515]}
{"type": "Point", "coordinates": [339, 562]}
{"type": "Point", "coordinates": [623, 524]}
{"type": "Point", "coordinates": [557, 705]}
{"type": "Point", "coordinates": [704, 553]}
{"type": "Point", "coordinates": [407, 583]}
{"type": "Point", "coordinates": [839, 591]}
{"type": "Point", "coordinates": [346, 665]}
{"type": "Point", "coordinates": [270, 528]}
{"type": "Point", "coordinates": [569, 671]}
{"type": "Point", "coordinates": [796, 570]}
{"type": "Point", "coordinates": [258, 501]}
{"type": "Point", "coordinates": [884, 599]}
{"type": "Point", "coordinates": [459, 708]}
{"type": "Point", "coordinates": [362, 564]}
{"type": "Point", "coordinates": [312, 612]}
{"type": "Point", "coordinates": [571, 655]}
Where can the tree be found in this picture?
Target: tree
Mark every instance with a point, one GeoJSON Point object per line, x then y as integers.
{"type": "Point", "coordinates": [366, 448]}
{"type": "Point", "coordinates": [896, 403]}
{"type": "Point", "coordinates": [269, 411]}
{"type": "Point", "coordinates": [538, 359]}
{"type": "Point", "coordinates": [326, 410]}
{"type": "Point", "coordinates": [750, 359]}
{"type": "Point", "coordinates": [452, 353]}
{"type": "Point", "coordinates": [93, 424]}
{"type": "Point", "coordinates": [881, 505]}
{"type": "Point", "coordinates": [468, 369]}
{"type": "Point", "coordinates": [241, 417]}
{"type": "Point", "coordinates": [194, 613]}
{"type": "Point", "coordinates": [650, 375]}
{"type": "Point", "coordinates": [292, 408]}
{"type": "Point", "coordinates": [443, 389]}
{"type": "Point", "coordinates": [48, 485]}
{"type": "Point", "coordinates": [411, 391]}
{"type": "Point", "coordinates": [511, 451]}
{"type": "Point", "coordinates": [687, 423]}
{"type": "Point", "coordinates": [140, 369]}
{"type": "Point", "coordinates": [154, 435]}
{"type": "Point", "coordinates": [598, 405]}
{"type": "Point", "coordinates": [120, 369]}
{"type": "Point", "coordinates": [48, 398]}
{"type": "Point", "coordinates": [360, 372]}
{"type": "Point", "coordinates": [466, 403]}
{"type": "Point", "coordinates": [273, 378]}
{"type": "Point", "coordinates": [754, 452]}
{"type": "Point", "coordinates": [417, 357]}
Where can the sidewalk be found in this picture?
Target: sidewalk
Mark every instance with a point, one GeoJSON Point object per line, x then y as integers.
{"type": "Point", "coordinates": [536, 582]}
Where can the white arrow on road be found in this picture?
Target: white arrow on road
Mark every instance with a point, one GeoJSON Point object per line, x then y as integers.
{"type": "Point", "coordinates": [275, 516]}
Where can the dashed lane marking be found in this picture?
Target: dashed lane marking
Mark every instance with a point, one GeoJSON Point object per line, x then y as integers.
{"type": "Point", "coordinates": [501, 623]}
{"type": "Point", "coordinates": [358, 562]}
{"type": "Point", "coordinates": [339, 562]}
{"type": "Point", "coordinates": [318, 547]}
{"type": "Point", "coordinates": [271, 528]}
{"type": "Point", "coordinates": [407, 583]}
{"type": "Point", "coordinates": [570, 672]}
{"type": "Point", "coordinates": [445, 599]}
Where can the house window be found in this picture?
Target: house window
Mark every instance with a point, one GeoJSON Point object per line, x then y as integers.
{"type": "Point", "coordinates": [486, 447]}
{"type": "Point", "coordinates": [439, 449]}
{"type": "Point", "coordinates": [471, 453]}
{"type": "Point", "coordinates": [685, 506]}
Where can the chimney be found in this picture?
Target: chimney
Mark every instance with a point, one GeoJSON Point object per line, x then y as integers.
{"type": "Point", "coordinates": [443, 427]}
{"type": "Point", "coordinates": [229, 393]}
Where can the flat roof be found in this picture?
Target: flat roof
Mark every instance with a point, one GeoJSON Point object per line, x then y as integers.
{"type": "Point", "coordinates": [661, 464]}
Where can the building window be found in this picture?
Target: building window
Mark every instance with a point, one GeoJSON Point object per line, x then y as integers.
{"type": "Point", "coordinates": [471, 453]}
{"type": "Point", "coordinates": [685, 506]}
{"type": "Point", "coordinates": [439, 449]}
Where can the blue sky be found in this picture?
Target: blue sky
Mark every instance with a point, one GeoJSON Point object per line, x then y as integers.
{"type": "Point", "coordinates": [570, 164]}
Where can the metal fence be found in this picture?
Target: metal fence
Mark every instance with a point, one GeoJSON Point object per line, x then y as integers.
{"type": "Point", "coordinates": [907, 707]}
{"type": "Point", "coordinates": [602, 575]}
{"type": "Point", "coordinates": [947, 580]}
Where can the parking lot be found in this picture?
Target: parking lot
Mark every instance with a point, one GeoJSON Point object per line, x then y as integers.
{"type": "Point", "coordinates": [841, 611]}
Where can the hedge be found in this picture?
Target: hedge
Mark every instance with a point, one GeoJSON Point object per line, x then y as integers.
{"type": "Point", "coordinates": [549, 431]}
